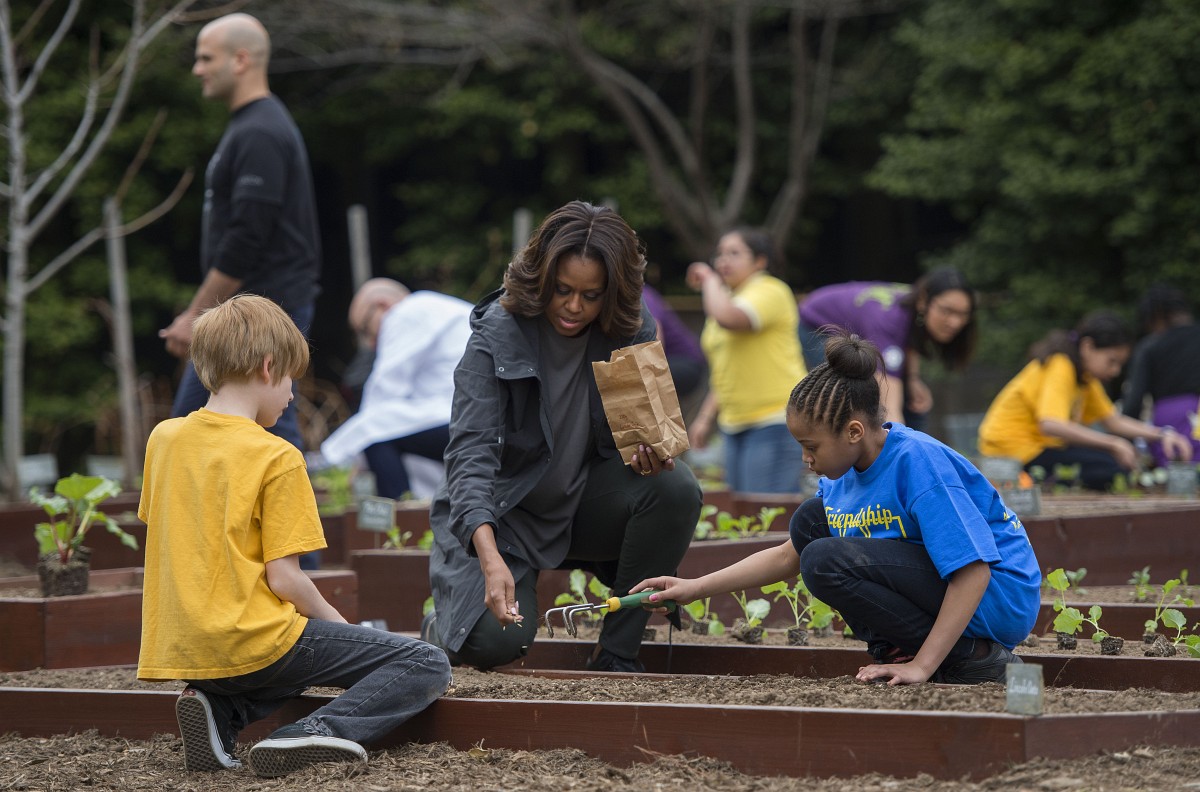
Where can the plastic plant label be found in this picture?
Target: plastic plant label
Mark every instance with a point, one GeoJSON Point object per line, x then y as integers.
{"type": "Point", "coordinates": [1026, 502]}
{"type": "Point", "coordinates": [376, 514]}
{"type": "Point", "coordinates": [363, 484]}
{"type": "Point", "coordinates": [1182, 479]}
{"type": "Point", "coordinates": [1026, 688]}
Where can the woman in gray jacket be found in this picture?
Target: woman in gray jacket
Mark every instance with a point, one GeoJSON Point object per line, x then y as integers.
{"type": "Point", "coordinates": [533, 479]}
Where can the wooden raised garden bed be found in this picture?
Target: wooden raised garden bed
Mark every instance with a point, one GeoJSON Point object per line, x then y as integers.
{"type": "Point", "coordinates": [103, 627]}
{"type": "Point", "coordinates": [759, 739]}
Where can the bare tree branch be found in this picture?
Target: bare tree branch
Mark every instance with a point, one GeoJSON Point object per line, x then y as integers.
{"type": "Point", "coordinates": [96, 234]}
{"type": "Point", "coordinates": [48, 50]}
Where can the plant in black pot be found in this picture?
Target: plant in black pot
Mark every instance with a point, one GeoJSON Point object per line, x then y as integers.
{"type": "Point", "coordinates": [62, 565]}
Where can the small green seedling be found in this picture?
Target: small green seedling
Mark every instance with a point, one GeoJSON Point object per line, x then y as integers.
{"type": "Point", "coordinates": [753, 611]}
{"type": "Point", "coordinates": [802, 603]}
{"type": "Point", "coordinates": [1164, 606]}
{"type": "Point", "coordinates": [76, 499]}
{"type": "Point", "coordinates": [1140, 580]}
{"type": "Point", "coordinates": [701, 613]}
{"type": "Point", "coordinates": [580, 587]}
{"type": "Point", "coordinates": [704, 526]}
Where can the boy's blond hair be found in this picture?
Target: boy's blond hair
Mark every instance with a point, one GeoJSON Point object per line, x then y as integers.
{"type": "Point", "coordinates": [231, 340]}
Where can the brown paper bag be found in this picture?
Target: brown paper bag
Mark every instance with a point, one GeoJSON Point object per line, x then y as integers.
{"type": "Point", "coordinates": [640, 401]}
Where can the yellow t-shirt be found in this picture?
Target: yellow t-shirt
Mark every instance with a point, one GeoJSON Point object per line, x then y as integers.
{"type": "Point", "coordinates": [221, 496]}
{"type": "Point", "coordinates": [754, 371]}
{"type": "Point", "coordinates": [1041, 390]}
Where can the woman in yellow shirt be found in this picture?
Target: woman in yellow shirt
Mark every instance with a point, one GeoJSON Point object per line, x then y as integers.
{"type": "Point", "coordinates": [753, 348]}
{"type": "Point", "coordinates": [1043, 416]}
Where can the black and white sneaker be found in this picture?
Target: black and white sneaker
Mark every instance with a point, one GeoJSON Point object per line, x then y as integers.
{"type": "Point", "coordinates": [206, 746]}
{"type": "Point", "coordinates": [293, 747]}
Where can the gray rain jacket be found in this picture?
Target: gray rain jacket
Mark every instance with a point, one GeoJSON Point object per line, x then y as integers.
{"type": "Point", "coordinates": [500, 446]}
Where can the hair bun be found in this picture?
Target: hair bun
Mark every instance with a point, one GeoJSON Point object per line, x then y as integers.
{"type": "Point", "coordinates": [851, 356]}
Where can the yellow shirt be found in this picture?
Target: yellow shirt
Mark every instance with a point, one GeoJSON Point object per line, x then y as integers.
{"type": "Point", "coordinates": [754, 371]}
{"type": "Point", "coordinates": [1049, 390]}
{"type": "Point", "coordinates": [221, 496]}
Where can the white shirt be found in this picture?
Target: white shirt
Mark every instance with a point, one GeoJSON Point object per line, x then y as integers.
{"type": "Point", "coordinates": [421, 339]}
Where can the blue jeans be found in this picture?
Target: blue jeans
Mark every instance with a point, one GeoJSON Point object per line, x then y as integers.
{"type": "Point", "coordinates": [386, 459]}
{"type": "Point", "coordinates": [191, 395]}
{"type": "Point", "coordinates": [887, 591]}
{"type": "Point", "coordinates": [766, 459]}
{"type": "Point", "coordinates": [388, 679]}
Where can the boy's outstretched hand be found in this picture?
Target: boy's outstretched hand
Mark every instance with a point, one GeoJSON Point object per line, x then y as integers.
{"type": "Point", "coordinates": [681, 590]}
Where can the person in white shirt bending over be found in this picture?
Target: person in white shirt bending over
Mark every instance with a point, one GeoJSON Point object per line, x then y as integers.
{"type": "Point", "coordinates": [418, 338]}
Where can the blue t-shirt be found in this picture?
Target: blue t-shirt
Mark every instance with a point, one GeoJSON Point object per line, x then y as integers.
{"type": "Point", "coordinates": [919, 490]}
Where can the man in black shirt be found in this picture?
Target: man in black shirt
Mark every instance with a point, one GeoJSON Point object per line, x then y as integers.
{"type": "Point", "coordinates": [259, 231]}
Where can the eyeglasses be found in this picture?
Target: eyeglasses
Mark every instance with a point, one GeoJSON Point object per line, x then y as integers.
{"type": "Point", "coordinates": [947, 310]}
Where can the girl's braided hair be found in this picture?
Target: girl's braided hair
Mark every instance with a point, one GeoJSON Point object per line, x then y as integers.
{"type": "Point", "coordinates": [843, 386]}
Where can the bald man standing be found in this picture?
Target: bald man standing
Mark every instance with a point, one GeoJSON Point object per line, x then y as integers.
{"type": "Point", "coordinates": [418, 339]}
{"type": "Point", "coordinates": [259, 231]}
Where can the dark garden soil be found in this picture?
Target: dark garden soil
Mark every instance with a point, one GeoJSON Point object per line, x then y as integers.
{"type": "Point", "coordinates": [114, 765]}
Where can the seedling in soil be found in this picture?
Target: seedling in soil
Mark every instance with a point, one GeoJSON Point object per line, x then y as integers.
{"type": "Point", "coordinates": [580, 587]}
{"type": "Point", "coordinates": [399, 540]}
{"type": "Point", "coordinates": [753, 613]}
{"type": "Point", "coordinates": [1140, 580]}
{"type": "Point", "coordinates": [1164, 607]}
{"type": "Point", "coordinates": [746, 526]}
{"type": "Point", "coordinates": [803, 604]}
{"type": "Point", "coordinates": [76, 505]}
{"type": "Point", "coordinates": [704, 526]}
{"type": "Point", "coordinates": [704, 621]}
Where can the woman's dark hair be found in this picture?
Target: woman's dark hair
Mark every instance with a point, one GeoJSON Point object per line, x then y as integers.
{"type": "Point", "coordinates": [592, 232]}
{"type": "Point", "coordinates": [760, 243]}
{"type": "Point", "coordinates": [843, 386]}
{"type": "Point", "coordinates": [956, 353]}
{"type": "Point", "coordinates": [1105, 328]}
{"type": "Point", "coordinates": [1161, 307]}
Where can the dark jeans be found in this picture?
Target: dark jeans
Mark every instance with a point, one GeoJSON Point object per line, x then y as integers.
{"type": "Point", "coordinates": [887, 591]}
{"type": "Point", "coordinates": [388, 679]}
{"type": "Point", "coordinates": [627, 528]}
{"type": "Point", "coordinates": [386, 459]}
{"type": "Point", "coordinates": [191, 395]}
{"type": "Point", "coordinates": [1097, 468]}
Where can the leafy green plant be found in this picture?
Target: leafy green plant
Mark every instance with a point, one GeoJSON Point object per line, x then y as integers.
{"type": "Point", "coordinates": [332, 485]}
{"type": "Point", "coordinates": [1163, 610]}
{"type": "Point", "coordinates": [580, 587]}
{"type": "Point", "coordinates": [704, 526]}
{"type": "Point", "coordinates": [76, 500]}
{"type": "Point", "coordinates": [1140, 580]}
{"type": "Point", "coordinates": [398, 539]}
{"type": "Point", "coordinates": [753, 611]}
{"type": "Point", "coordinates": [701, 613]}
{"type": "Point", "coordinates": [746, 526]}
{"type": "Point", "coordinates": [802, 603]}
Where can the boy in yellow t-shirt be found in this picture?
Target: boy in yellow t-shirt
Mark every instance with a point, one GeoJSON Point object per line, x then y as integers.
{"type": "Point", "coordinates": [229, 509]}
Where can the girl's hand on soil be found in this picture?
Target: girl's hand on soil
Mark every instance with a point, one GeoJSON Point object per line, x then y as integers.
{"type": "Point", "coordinates": [645, 462]}
{"type": "Point", "coordinates": [681, 590]}
{"type": "Point", "coordinates": [895, 674]}
{"type": "Point", "coordinates": [500, 592]}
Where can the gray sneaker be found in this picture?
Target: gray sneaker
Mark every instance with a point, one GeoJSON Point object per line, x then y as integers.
{"type": "Point", "coordinates": [972, 671]}
{"type": "Point", "coordinates": [206, 745]}
{"type": "Point", "coordinates": [292, 747]}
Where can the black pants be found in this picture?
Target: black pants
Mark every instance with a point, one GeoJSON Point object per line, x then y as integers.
{"type": "Point", "coordinates": [887, 591]}
{"type": "Point", "coordinates": [627, 528]}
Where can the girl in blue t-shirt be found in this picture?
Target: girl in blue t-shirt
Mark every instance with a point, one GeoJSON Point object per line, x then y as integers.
{"type": "Point", "coordinates": [953, 586]}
